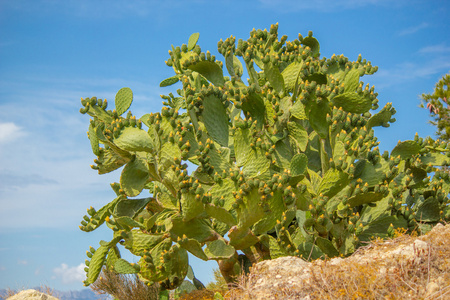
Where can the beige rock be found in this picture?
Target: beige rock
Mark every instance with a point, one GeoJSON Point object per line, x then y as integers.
{"type": "Point", "coordinates": [31, 295]}
{"type": "Point", "coordinates": [293, 278]}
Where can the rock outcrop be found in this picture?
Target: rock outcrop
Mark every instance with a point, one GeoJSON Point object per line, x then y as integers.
{"type": "Point", "coordinates": [405, 267]}
{"type": "Point", "coordinates": [31, 295]}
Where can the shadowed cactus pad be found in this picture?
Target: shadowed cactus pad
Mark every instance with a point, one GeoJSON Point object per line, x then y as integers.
{"type": "Point", "coordinates": [283, 163]}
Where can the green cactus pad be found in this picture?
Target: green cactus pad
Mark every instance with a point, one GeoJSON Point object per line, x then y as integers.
{"type": "Point", "coordinates": [138, 242]}
{"type": "Point", "coordinates": [298, 111]}
{"type": "Point", "coordinates": [101, 215]}
{"type": "Point", "coordinates": [134, 139]}
{"type": "Point", "coordinates": [290, 75]}
{"type": "Point", "coordinates": [170, 81]}
{"type": "Point", "coordinates": [300, 135]}
{"type": "Point", "coordinates": [327, 247]}
{"type": "Point", "coordinates": [275, 78]}
{"type": "Point", "coordinates": [96, 264]}
{"type": "Point", "coordinates": [242, 148]}
{"type": "Point", "coordinates": [234, 65]}
{"type": "Point", "coordinates": [382, 118]}
{"type": "Point", "coordinates": [197, 229]}
{"type": "Point", "coordinates": [169, 152]}
{"type": "Point", "coordinates": [190, 206]}
{"type": "Point", "coordinates": [94, 140]}
{"type": "Point", "coordinates": [435, 159]}
{"type": "Point", "coordinates": [223, 191]}
{"type": "Point", "coordinates": [406, 149]}
{"type": "Point", "coordinates": [242, 238]}
{"type": "Point", "coordinates": [299, 164]}
{"type": "Point", "coordinates": [128, 223]}
{"type": "Point", "coordinates": [218, 250]}
{"type": "Point", "coordinates": [255, 108]}
{"type": "Point", "coordinates": [275, 212]}
{"type": "Point", "coordinates": [216, 119]}
{"type": "Point", "coordinates": [130, 207]}
{"type": "Point", "coordinates": [351, 81]}
{"type": "Point", "coordinates": [112, 257]}
{"type": "Point", "coordinates": [257, 165]}
{"type": "Point", "coordinates": [123, 100]}
{"type": "Point", "coordinates": [250, 211]}
{"type": "Point", "coordinates": [134, 176]}
{"type": "Point", "coordinates": [312, 43]}
{"type": "Point", "coordinates": [276, 250]}
{"type": "Point", "coordinates": [379, 227]}
{"type": "Point", "coordinates": [194, 247]}
{"type": "Point", "coordinates": [361, 199]}
{"type": "Point", "coordinates": [309, 251]}
{"type": "Point", "coordinates": [317, 117]}
{"type": "Point", "coordinates": [221, 214]}
{"type": "Point", "coordinates": [122, 266]}
{"type": "Point", "coordinates": [428, 211]}
{"type": "Point", "coordinates": [193, 39]}
{"type": "Point", "coordinates": [210, 70]}
{"type": "Point", "coordinates": [373, 174]}
{"type": "Point", "coordinates": [353, 102]}
{"type": "Point", "coordinates": [109, 161]}
{"type": "Point", "coordinates": [332, 182]}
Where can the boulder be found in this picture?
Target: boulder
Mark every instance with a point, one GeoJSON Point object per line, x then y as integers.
{"type": "Point", "coordinates": [31, 295]}
{"type": "Point", "coordinates": [404, 267]}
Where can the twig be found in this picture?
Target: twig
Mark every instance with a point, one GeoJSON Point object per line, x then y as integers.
{"type": "Point", "coordinates": [432, 296]}
{"type": "Point", "coordinates": [429, 254]}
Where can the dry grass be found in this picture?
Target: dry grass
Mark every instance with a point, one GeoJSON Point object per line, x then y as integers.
{"type": "Point", "coordinates": [43, 289]}
{"type": "Point", "coordinates": [424, 276]}
{"type": "Point", "coordinates": [124, 287]}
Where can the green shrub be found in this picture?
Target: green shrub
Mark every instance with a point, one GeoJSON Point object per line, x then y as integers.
{"type": "Point", "coordinates": [287, 164]}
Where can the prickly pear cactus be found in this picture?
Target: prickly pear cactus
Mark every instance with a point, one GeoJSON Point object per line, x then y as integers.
{"type": "Point", "coordinates": [284, 164]}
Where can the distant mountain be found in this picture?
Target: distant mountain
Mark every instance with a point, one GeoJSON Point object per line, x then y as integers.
{"type": "Point", "coordinates": [85, 294]}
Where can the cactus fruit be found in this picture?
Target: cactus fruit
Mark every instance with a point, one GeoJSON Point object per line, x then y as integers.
{"type": "Point", "coordinates": [287, 164]}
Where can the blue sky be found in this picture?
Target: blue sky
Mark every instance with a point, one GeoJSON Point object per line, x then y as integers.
{"type": "Point", "coordinates": [54, 52]}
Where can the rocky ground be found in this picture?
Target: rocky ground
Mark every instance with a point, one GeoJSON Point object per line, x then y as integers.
{"type": "Point", "coordinates": [405, 267]}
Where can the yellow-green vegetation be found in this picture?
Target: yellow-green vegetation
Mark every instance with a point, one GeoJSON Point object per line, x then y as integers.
{"type": "Point", "coordinates": [284, 163]}
{"type": "Point", "coordinates": [218, 284]}
{"type": "Point", "coordinates": [124, 287]}
{"type": "Point", "coordinates": [438, 105]}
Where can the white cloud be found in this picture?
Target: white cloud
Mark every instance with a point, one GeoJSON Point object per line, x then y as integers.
{"type": "Point", "coordinates": [413, 29]}
{"type": "Point", "coordinates": [70, 275]}
{"type": "Point", "coordinates": [38, 271]}
{"type": "Point", "coordinates": [22, 262]}
{"type": "Point", "coordinates": [436, 61]}
{"type": "Point", "coordinates": [9, 132]}
{"type": "Point", "coordinates": [435, 49]}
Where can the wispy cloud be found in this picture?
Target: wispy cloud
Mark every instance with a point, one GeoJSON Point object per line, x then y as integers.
{"type": "Point", "coordinates": [435, 60]}
{"type": "Point", "coordinates": [413, 29]}
{"type": "Point", "coordinates": [22, 262]}
{"type": "Point", "coordinates": [9, 132]}
{"type": "Point", "coordinates": [407, 71]}
{"type": "Point", "coordinates": [38, 271]}
{"type": "Point", "coordinates": [9, 180]}
{"type": "Point", "coordinates": [435, 49]}
{"type": "Point", "coordinates": [69, 275]}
